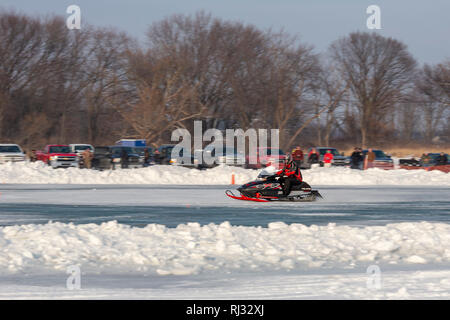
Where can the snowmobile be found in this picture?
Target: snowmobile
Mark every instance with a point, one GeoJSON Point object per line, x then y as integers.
{"type": "Point", "coordinates": [270, 188]}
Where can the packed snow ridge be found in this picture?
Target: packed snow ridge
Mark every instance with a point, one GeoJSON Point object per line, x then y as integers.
{"type": "Point", "coordinates": [193, 249]}
{"type": "Point", "coordinates": [39, 173]}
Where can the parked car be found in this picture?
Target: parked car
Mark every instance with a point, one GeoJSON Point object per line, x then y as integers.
{"type": "Point", "coordinates": [79, 148]}
{"type": "Point", "coordinates": [58, 156]}
{"type": "Point", "coordinates": [141, 151]}
{"type": "Point", "coordinates": [413, 163]}
{"type": "Point", "coordinates": [436, 166]}
{"type": "Point", "coordinates": [199, 161]}
{"type": "Point", "coordinates": [266, 157]}
{"type": "Point", "coordinates": [435, 156]}
{"type": "Point", "coordinates": [165, 154]}
{"type": "Point", "coordinates": [166, 158]}
{"type": "Point", "coordinates": [229, 156]}
{"type": "Point", "coordinates": [102, 158]}
{"type": "Point", "coordinates": [11, 153]}
{"type": "Point", "coordinates": [134, 158]}
{"type": "Point", "coordinates": [138, 145]}
{"type": "Point", "coordinates": [382, 160]}
{"type": "Point", "coordinates": [338, 158]}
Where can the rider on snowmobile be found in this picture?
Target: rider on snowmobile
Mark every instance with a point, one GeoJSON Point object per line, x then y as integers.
{"type": "Point", "coordinates": [290, 175]}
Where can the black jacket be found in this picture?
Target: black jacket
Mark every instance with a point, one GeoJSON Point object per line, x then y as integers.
{"type": "Point", "coordinates": [124, 156]}
{"type": "Point", "coordinates": [313, 158]}
{"type": "Point", "coordinates": [356, 157]}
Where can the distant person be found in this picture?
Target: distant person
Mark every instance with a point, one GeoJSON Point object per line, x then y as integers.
{"type": "Point", "coordinates": [87, 157]}
{"type": "Point", "coordinates": [157, 156]}
{"type": "Point", "coordinates": [297, 156]}
{"type": "Point", "coordinates": [356, 159]}
{"type": "Point", "coordinates": [370, 158]}
{"type": "Point", "coordinates": [313, 157]}
{"type": "Point", "coordinates": [146, 157]}
{"type": "Point", "coordinates": [33, 157]}
{"type": "Point", "coordinates": [442, 159]}
{"type": "Point", "coordinates": [124, 159]}
{"type": "Point", "coordinates": [426, 160]}
{"type": "Point", "coordinates": [328, 159]}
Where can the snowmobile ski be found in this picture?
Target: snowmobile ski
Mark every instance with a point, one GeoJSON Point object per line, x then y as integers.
{"type": "Point", "coordinates": [242, 197]}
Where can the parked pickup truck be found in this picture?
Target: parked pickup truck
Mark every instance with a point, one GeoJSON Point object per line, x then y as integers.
{"type": "Point", "coordinates": [134, 158]}
{"type": "Point", "coordinates": [338, 159]}
{"type": "Point", "coordinates": [58, 156]}
{"type": "Point", "coordinates": [11, 153]}
{"type": "Point", "coordinates": [80, 148]}
{"type": "Point", "coordinates": [412, 163]}
{"type": "Point", "coordinates": [382, 160]}
{"type": "Point", "coordinates": [165, 157]}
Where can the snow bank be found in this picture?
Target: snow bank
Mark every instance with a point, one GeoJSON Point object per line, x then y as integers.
{"type": "Point", "coordinates": [375, 176]}
{"type": "Point", "coordinates": [193, 249]}
{"type": "Point", "coordinates": [38, 172]}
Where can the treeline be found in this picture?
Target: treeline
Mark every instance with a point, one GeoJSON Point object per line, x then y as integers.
{"type": "Point", "coordinates": [97, 85]}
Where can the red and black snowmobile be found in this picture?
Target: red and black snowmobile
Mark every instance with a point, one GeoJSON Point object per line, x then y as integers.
{"type": "Point", "coordinates": [270, 188]}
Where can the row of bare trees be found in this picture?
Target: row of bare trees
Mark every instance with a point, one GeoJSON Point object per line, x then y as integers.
{"type": "Point", "coordinates": [98, 85]}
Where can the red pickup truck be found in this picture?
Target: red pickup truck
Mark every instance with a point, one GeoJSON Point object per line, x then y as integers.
{"type": "Point", "coordinates": [58, 156]}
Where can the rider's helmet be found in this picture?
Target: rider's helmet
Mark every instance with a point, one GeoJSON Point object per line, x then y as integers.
{"type": "Point", "coordinates": [288, 163]}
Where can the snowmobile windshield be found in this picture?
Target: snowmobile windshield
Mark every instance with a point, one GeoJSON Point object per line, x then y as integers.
{"type": "Point", "coordinates": [267, 171]}
{"type": "Point", "coordinates": [10, 149]}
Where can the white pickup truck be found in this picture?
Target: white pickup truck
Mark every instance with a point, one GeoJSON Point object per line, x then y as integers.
{"type": "Point", "coordinates": [11, 153]}
{"type": "Point", "coordinates": [79, 148]}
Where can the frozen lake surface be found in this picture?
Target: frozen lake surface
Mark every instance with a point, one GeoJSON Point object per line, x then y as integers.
{"type": "Point", "coordinates": [139, 205]}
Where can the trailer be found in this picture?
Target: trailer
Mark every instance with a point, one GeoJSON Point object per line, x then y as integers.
{"type": "Point", "coordinates": [131, 142]}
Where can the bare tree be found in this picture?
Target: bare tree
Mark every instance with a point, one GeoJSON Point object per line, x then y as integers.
{"type": "Point", "coordinates": [164, 103]}
{"type": "Point", "coordinates": [378, 71]}
{"type": "Point", "coordinates": [40, 72]}
{"type": "Point", "coordinates": [106, 75]}
{"type": "Point", "coordinates": [195, 46]}
{"type": "Point", "coordinates": [433, 92]}
{"type": "Point", "coordinates": [408, 120]}
{"type": "Point", "coordinates": [331, 94]}
{"type": "Point", "coordinates": [290, 85]}
{"type": "Point", "coordinates": [436, 82]}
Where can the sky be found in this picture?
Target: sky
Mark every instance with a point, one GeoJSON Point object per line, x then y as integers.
{"type": "Point", "coordinates": [424, 26]}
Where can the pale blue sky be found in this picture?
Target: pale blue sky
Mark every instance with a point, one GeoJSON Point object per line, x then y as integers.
{"type": "Point", "coordinates": [422, 25]}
